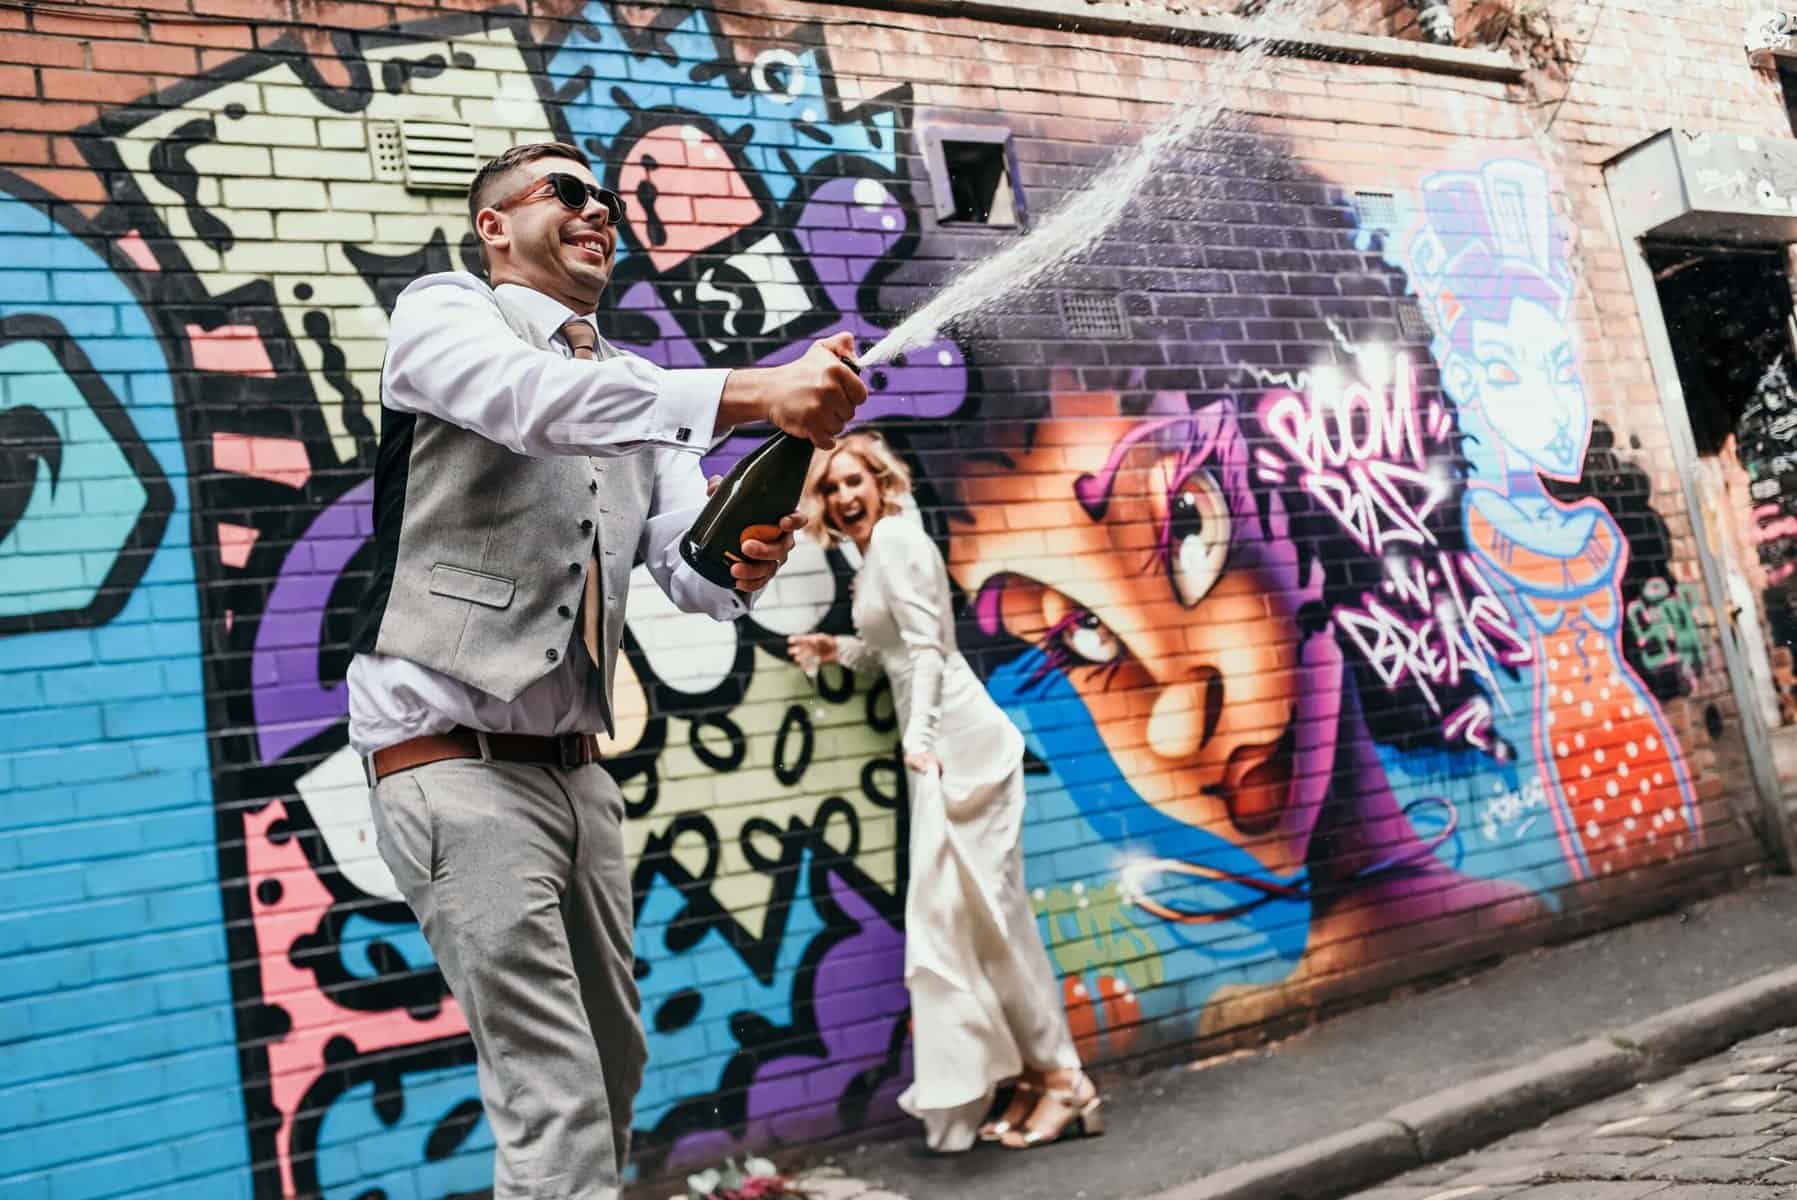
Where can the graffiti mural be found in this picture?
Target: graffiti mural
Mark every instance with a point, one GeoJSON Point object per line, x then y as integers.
{"type": "Point", "coordinates": [746, 243]}
{"type": "Point", "coordinates": [1323, 631]}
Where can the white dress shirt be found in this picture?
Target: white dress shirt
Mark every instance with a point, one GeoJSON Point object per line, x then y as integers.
{"type": "Point", "coordinates": [450, 355]}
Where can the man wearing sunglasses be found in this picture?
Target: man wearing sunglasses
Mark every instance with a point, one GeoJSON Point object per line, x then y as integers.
{"type": "Point", "coordinates": [525, 465]}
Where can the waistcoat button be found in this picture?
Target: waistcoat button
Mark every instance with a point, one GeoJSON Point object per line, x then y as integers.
{"type": "Point", "coordinates": [551, 655]}
{"type": "Point", "coordinates": [593, 487]}
{"type": "Point", "coordinates": [586, 527]}
{"type": "Point", "coordinates": [564, 612]}
{"type": "Point", "coordinates": [573, 568]}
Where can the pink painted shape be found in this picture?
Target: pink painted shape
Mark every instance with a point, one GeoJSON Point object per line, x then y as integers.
{"type": "Point", "coordinates": [700, 196]}
{"type": "Point", "coordinates": [296, 1059]}
{"type": "Point", "coordinates": [235, 543]}
{"type": "Point", "coordinates": [278, 460]}
{"type": "Point", "coordinates": [134, 247]}
{"type": "Point", "coordinates": [230, 350]}
{"type": "Point", "coordinates": [230, 619]}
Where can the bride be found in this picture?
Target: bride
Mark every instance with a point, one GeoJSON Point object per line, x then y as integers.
{"type": "Point", "coordinates": [985, 1007]}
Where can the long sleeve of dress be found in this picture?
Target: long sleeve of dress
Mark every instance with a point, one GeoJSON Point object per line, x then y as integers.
{"type": "Point", "coordinates": [918, 589]}
{"type": "Point", "coordinates": [853, 653]}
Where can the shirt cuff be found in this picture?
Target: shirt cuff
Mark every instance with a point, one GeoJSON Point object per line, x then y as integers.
{"type": "Point", "coordinates": [686, 411]}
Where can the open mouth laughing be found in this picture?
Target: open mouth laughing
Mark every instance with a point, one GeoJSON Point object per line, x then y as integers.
{"type": "Point", "coordinates": [589, 242]}
{"type": "Point", "coordinates": [851, 514]}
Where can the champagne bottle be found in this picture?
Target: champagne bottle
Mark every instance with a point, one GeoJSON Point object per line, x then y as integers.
{"type": "Point", "coordinates": [761, 488]}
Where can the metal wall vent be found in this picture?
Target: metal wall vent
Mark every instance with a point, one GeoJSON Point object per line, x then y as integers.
{"type": "Point", "coordinates": [439, 156]}
{"type": "Point", "coordinates": [1413, 323]}
{"type": "Point", "coordinates": [1376, 210]}
{"type": "Point", "coordinates": [384, 147]}
{"type": "Point", "coordinates": [1094, 316]}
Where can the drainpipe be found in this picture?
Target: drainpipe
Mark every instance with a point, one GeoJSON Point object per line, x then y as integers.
{"type": "Point", "coordinates": [1437, 19]}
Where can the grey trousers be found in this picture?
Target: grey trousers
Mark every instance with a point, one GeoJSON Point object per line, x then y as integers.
{"type": "Point", "coordinates": [517, 876]}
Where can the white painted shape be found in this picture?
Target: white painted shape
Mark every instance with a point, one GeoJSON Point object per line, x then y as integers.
{"type": "Point", "coordinates": [799, 595]}
{"type": "Point", "coordinates": [336, 794]}
{"type": "Point", "coordinates": [689, 652]}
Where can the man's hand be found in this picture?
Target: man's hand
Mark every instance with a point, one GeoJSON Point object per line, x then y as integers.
{"type": "Point", "coordinates": [764, 558]}
{"type": "Point", "coordinates": [813, 397]}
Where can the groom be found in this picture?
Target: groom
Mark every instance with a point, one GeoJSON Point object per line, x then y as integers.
{"type": "Point", "coordinates": [525, 465]}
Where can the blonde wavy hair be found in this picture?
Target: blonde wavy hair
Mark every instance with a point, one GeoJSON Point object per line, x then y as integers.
{"type": "Point", "coordinates": [889, 471]}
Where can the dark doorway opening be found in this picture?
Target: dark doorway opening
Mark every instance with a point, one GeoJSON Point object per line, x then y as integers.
{"type": "Point", "coordinates": [1729, 313]}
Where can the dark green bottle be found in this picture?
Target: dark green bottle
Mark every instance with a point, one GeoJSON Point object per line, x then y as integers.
{"type": "Point", "coordinates": [762, 487]}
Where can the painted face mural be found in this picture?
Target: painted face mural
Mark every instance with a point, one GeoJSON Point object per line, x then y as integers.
{"type": "Point", "coordinates": [1316, 658]}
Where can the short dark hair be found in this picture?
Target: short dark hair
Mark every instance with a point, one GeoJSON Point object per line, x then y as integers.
{"type": "Point", "coordinates": [487, 178]}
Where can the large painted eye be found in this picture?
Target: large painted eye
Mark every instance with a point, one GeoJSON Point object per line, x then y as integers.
{"type": "Point", "coordinates": [1502, 374]}
{"type": "Point", "coordinates": [1567, 373]}
{"type": "Point", "coordinates": [1197, 537]}
{"type": "Point", "coordinates": [1087, 638]}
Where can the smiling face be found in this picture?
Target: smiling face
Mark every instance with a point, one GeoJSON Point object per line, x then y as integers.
{"type": "Point", "coordinates": [1172, 608]}
{"type": "Point", "coordinates": [1527, 380]}
{"type": "Point", "coordinates": [851, 497]}
{"type": "Point", "coordinates": [541, 243]}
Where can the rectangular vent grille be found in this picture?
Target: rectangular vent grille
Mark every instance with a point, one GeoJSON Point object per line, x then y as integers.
{"type": "Point", "coordinates": [1413, 323]}
{"type": "Point", "coordinates": [1094, 316]}
{"type": "Point", "coordinates": [439, 156]}
{"type": "Point", "coordinates": [385, 148]}
{"type": "Point", "coordinates": [1376, 210]}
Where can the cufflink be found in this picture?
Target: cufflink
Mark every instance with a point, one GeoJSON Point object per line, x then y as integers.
{"type": "Point", "coordinates": [683, 434]}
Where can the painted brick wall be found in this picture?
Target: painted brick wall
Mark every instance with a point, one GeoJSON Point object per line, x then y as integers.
{"type": "Point", "coordinates": [1312, 709]}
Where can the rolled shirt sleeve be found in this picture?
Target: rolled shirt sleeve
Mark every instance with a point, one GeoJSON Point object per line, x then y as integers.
{"type": "Point", "coordinates": [451, 355]}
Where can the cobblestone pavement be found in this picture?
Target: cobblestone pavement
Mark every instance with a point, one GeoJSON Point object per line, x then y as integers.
{"type": "Point", "coordinates": [1724, 1128]}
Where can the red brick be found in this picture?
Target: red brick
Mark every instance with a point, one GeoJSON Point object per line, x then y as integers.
{"type": "Point", "coordinates": [24, 148]}
{"type": "Point", "coordinates": [90, 85]}
{"type": "Point", "coordinates": [43, 51]}
{"type": "Point", "coordinates": [144, 56]}
{"type": "Point", "coordinates": [212, 60]}
{"type": "Point", "coordinates": [96, 23]}
{"type": "Point", "coordinates": [39, 114]}
{"type": "Point", "coordinates": [82, 188]}
{"type": "Point", "coordinates": [253, 11]}
{"type": "Point", "coordinates": [344, 14]}
{"type": "Point", "coordinates": [201, 33]}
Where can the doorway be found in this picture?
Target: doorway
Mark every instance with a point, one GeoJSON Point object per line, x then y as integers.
{"type": "Point", "coordinates": [1729, 315]}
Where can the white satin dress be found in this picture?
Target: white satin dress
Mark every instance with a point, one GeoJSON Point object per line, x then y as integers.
{"type": "Point", "coordinates": [984, 1000]}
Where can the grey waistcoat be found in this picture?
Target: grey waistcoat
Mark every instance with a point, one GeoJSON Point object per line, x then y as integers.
{"type": "Point", "coordinates": [492, 550]}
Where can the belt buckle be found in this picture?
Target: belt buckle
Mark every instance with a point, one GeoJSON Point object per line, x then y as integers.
{"type": "Point", "coordinates": [568, 749]}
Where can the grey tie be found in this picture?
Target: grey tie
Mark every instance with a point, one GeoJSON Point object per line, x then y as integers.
{"type": "Point", "coordinates": [582, 339]}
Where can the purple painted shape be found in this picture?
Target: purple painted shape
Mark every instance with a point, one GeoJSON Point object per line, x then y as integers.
{"type": "Point", "coordinates": [673, 349]}
{"type": "Point", "coordinates": [859, 993]}
{"type": "Point", "coordinates": [286, 695]}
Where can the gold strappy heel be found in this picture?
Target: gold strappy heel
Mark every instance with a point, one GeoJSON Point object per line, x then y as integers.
{"type": "Point", "coordinates": [1082, 1115]}
{"type": "Point", "coordinates": [994, 1131]}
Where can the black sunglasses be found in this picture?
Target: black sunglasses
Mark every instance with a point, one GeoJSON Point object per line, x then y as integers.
{"type": "Point", "coordinates": [572, 191]}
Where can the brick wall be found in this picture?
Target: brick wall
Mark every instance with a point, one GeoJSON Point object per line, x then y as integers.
{"type": "Point", "coordinates": [1369, 704]}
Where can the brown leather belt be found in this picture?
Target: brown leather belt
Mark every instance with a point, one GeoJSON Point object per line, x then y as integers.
{"type": "Point", "coordinates": [568, 751]}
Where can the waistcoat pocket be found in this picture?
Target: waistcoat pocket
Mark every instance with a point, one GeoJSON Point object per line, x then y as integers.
{"type": "Point", "coordinates": [477, 587]}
